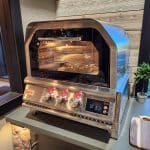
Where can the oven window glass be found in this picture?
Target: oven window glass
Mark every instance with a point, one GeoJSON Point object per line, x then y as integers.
{"type": "Point", "coordinates": [76, 55]}
{"type": "Point", "coordinates": [68, 55]}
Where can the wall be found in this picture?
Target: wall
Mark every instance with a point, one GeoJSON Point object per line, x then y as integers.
{"type": "Point", "coordinates": [127, 14]}
{"type": "Point", "coordinates": [37, 10]}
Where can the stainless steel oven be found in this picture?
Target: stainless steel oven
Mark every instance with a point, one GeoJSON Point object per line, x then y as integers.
{"type": "Point", "coordinates": [78, 69]}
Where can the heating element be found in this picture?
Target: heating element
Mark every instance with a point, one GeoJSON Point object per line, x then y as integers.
{"type": "Point", "coordinates": [77, 69]}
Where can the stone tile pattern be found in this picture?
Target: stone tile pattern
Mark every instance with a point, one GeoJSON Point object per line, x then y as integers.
{"type": "Point", "coordinates": [127, 14]}
{"type": "Point", "coordinates": [21, 138]}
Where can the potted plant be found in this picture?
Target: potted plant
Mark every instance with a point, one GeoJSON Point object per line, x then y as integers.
{"type": "Point", "coordinates": [142, 75]}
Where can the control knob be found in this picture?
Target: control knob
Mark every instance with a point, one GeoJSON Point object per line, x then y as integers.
{"type": "Point", "coordinates": [77, 100]}
{"type": "Point", "coordinates": [63, 96]}
{"type": "Point", "coordinates": [51, 94]}
{"type": "Point", "coordinates": [51, 91]}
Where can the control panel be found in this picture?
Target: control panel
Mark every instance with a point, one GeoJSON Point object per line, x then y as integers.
{"type": "Point", "coordinates": [69, 100]}
{"type": "Point", "coordinates": [62, 98]}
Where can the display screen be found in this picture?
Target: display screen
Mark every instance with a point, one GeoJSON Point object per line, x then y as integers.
{"type": "Point", "coordinates": [96, 106]}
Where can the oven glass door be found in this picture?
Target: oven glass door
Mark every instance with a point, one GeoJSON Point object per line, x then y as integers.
{"type": "Point", "coordinates": [76, 55]}
{"type": "Point", "coordinates": [68, 56]}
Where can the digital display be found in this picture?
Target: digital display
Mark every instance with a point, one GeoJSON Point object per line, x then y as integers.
{"type": "Point", "coordinates": [96, 106]}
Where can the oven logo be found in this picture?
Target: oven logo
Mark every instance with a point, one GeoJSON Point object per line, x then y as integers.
{"type": "Point", "coordinates": [29, 92]}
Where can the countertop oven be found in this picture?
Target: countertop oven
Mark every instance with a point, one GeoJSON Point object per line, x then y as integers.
{"type": "Point", "coordinates": [77, 69]}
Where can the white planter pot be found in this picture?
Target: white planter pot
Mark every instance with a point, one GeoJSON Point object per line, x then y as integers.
{"type": "Point", "coordinates": [141, 98]}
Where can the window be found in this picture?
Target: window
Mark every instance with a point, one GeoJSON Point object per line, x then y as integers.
{"type": "Point", "coordinates": [3, 69]}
